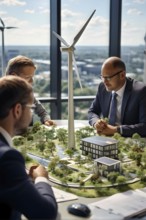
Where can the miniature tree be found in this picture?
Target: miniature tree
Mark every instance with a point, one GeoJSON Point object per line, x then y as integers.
{"type": "Point", "coordinates": [70, 152]}
{"type": "Point", "coordinates": [121, 179]}
{"type": "Point", "coordinates": [62, 135]}
{"type": "Point", "coordinates": [53, 163]}
{"type": "Point", "coordinates": [50, 145]}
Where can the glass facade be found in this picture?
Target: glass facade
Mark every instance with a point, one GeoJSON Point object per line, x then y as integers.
{"type": "Point", "coordinates": [31, 38]}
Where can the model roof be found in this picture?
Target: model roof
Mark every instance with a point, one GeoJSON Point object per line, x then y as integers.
{"type": "Point", "coordinates": [107, 161]}
{"type": "Point", "coordinates": [100, 140]}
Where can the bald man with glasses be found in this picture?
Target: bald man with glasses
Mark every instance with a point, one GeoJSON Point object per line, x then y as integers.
{"type": "Point", "coordinates": [120, 99]}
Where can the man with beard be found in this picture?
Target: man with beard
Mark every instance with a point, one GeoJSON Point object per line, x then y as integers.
{"type": "Point", "coordinates": [126, 111]}
{"type": "Point", "coordinates": [18, 193]}
{"type": "Point", "coordinates": [25, 68]}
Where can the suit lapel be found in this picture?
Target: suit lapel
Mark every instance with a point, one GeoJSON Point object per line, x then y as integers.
{"type": "Point", "coordinates": [126, 96]}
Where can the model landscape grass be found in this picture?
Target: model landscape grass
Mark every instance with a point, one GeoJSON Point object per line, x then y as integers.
{"type": "Point", "coordinates": [77, 173]}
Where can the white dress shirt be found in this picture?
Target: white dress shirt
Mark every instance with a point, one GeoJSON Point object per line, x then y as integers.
{"type": "Point", "coordinates": [6, 136]}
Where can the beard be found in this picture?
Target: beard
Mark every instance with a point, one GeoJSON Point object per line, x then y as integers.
{"type": "Point", "coordinates": [21, 125]}
{"type": "Point", "coordinates": [20, 131]}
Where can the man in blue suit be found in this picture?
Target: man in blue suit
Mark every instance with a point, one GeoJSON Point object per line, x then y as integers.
{"type": "Point", "coordinates": [18, 193]}
{"type": "Point", "coordinates": [130, 116]}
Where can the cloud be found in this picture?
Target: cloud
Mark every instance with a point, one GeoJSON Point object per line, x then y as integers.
{"type": "Point", "coordinates": [68, 14]}
{"type": "Point", "coordinates": [99, 20]}
{"type": "Point", "coordinates": [28, 11]}
{"type": "Point", "coordinates": [2, 13]}
{"type": "Point", "coordinates": [139, 1]}
{"type": "Point", "coordinates": [44, 11]}
{"type": "Point", "coordinates": [134, 11]}
{"type": "Point", "coordinates": [13, 21]}
{"type": "Point", "coordinates": [12, 2]}
{"type": "Point", "coordinates": [22, 33]}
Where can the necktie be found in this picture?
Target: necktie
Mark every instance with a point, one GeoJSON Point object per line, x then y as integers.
{"type": "Point", "coordinates": [113, 109]}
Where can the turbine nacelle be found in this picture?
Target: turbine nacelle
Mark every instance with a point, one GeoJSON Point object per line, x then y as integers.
{"type": "Point", "coordinates": [67, 49]}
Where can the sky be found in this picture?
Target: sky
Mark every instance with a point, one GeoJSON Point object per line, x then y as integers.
{"type": "Point", "coordinates": [31, 19]}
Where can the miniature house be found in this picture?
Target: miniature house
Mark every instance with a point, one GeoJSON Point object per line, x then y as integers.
{"type": "Point", "coordinates": [106, 165]}
{"type": "Point", "coordinates": [99, 146]}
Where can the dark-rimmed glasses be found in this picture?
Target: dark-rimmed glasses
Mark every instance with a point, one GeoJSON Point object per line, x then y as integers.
{"type": "Point", "coordinates": [108, 78]}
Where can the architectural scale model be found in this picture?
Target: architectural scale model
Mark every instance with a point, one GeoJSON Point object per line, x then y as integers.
{"type": "Point", "coordinates": [99, 146]}
{"type": "Point", "coordinates": [109, 165]}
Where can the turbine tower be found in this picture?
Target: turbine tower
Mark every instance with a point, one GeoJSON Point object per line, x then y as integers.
{"type": "Point", "coordinates": [71, 59]}
{"type": "Point", "coordinates": [3, 60]}
{"type": "Point", "coordinates": [144, 70]}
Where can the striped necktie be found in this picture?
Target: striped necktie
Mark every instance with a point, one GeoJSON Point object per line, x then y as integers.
{"type": "Point", "coordinates": [113, 109]}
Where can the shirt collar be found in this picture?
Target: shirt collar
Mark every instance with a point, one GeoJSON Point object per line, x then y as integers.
{"type": "Point", "coordinates": [6, 136]}
{"type": "Point", "coordinates": [120, 92]}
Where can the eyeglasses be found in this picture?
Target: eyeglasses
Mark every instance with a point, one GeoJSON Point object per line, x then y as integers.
{"type": "Point", "coordinates": [108, 78]}
{"type": "Point", "coordinates": [32, 107]}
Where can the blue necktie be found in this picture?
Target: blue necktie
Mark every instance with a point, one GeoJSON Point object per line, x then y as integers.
{"type": "Point", "coordinates": [113, 109]}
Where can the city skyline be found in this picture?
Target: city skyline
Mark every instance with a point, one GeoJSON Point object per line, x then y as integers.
{"type": "Point", "coordinates": [32, 19]}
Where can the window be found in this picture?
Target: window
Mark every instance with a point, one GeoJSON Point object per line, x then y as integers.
{"type": "Point", "coordinates": [30, 37]}
{"type": "Point", "coordinates": [91, 49]}
{"type": "Point", "coordinates": [132, 38]}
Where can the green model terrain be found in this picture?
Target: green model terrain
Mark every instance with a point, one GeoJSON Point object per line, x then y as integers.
{"type": "Point", "coordinates": [73, 172]}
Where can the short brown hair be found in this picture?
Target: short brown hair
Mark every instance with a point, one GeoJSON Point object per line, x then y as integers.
{"type": "Point", "coordinates": [17, 63]}
{"type": "Point", "coordinates": [13, 90]}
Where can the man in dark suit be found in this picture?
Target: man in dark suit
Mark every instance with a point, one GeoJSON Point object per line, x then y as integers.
{"type": "Point", "coordinates": [130, 116]}
{"type": "Point", "coordinates": [18, 193]}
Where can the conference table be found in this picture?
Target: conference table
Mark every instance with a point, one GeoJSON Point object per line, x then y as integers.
{"type": "Point", "coordinates": [77, 123]}
{"type": "Point", "coordinates": [63, 213]}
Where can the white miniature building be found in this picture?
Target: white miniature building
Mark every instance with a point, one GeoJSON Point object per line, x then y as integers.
{"type": "Point", "coordinates": [106, 165]}
{"type": "Point", "coordinates": [99, 146]}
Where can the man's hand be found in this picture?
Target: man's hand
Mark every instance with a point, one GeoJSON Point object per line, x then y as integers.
{"type": "Point", "coordinates": [50, 123]}
{"type": "Point", "coordinates": [38, 171]}
{"type": "Point", "coordinates": [109, 130]}
{"type": "Point", "coordinates": [100, 125]}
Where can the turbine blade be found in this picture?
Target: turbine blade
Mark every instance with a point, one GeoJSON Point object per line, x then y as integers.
{"type": "Point", "coordinates": [2, 22]}
{"type": "Point", "coordinates": [10, 27]}
{"type": "Point", "coordinates": [76, 38]}
{"type": "Point", "coordinates": [76, 70]}
{"type": "Point", "coordinates": [61, 39]}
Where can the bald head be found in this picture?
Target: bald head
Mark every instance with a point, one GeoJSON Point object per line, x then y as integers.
{"type": "Point", "coordinates": [113, 73]}
{"type": "Point", "coordinates": [114, 62]}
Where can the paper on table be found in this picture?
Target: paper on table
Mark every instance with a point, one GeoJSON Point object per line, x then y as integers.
{"type": "Point", "coordinates": [127, 204]}
{"type": "Point", "coordinates": [62, 196]}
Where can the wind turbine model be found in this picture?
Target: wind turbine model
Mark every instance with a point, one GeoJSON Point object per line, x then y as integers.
{"type": "Point", "coordinates": [71, 58]}
{"type": "Point", "coordinates": [2, 28]}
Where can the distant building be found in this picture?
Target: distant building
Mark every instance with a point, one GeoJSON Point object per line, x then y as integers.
{"type": "Point", "coordinates": [105, 165]}
{"type": "Point", "coordinates": [11, 54]}
{"type": "Point", "coordinates": [98, 146]}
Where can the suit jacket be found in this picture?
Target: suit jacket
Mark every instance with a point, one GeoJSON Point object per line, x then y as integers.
{"type": "Point", "coordinates": [40, 111]}
{"type": "Point", "coordinates": [133, 112]}
{"type": "Point", "coordinates": [18, 195]}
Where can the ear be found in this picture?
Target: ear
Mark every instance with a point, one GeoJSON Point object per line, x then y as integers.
{"type": "Point", "coordinates": [17, 110]}
{"type": "Point", "coordinates": [123, 74]}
